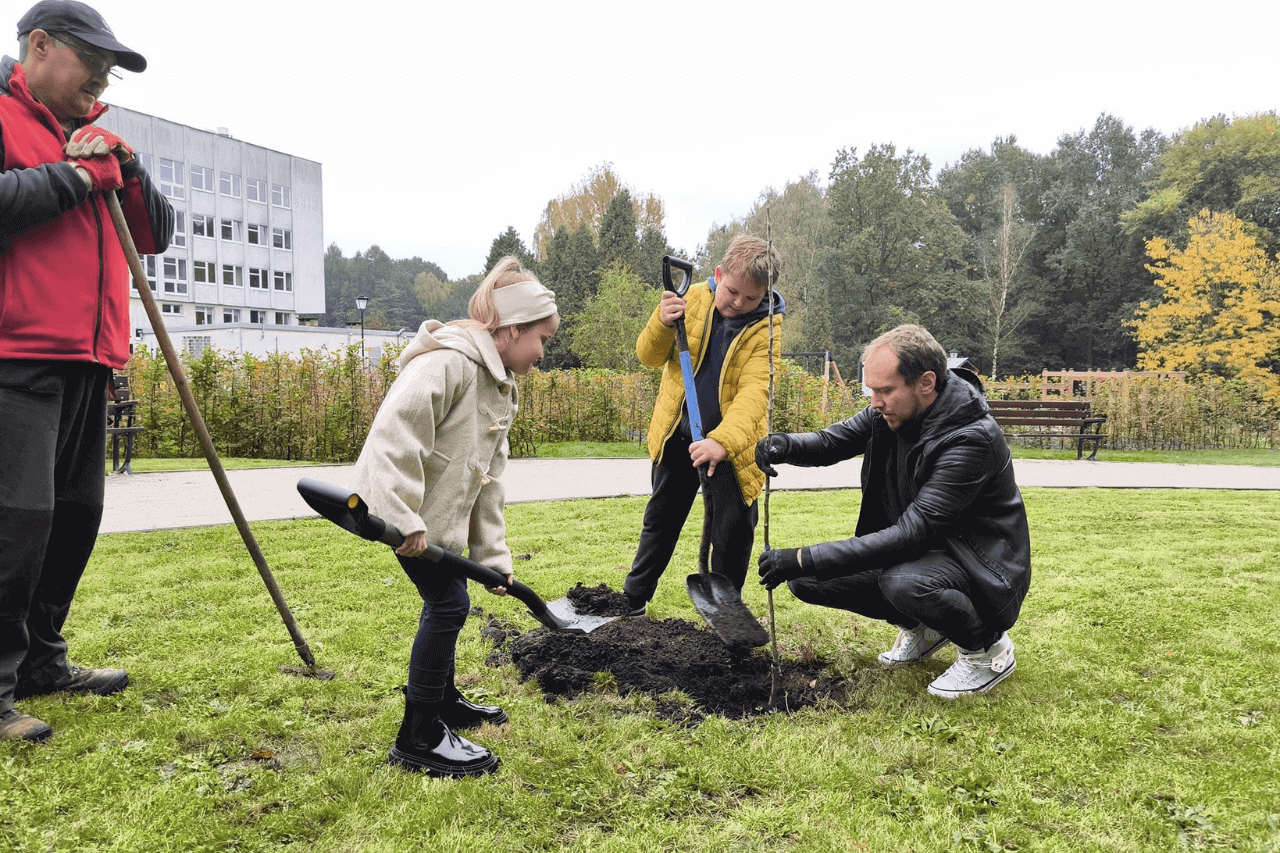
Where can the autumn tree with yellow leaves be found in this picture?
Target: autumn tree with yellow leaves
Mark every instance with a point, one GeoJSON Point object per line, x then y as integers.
{"type": "Point", "coordinates": [1220, 314]}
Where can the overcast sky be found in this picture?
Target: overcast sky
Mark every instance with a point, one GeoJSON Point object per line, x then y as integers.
{"type": "Point", "coordinates": [440, 124]}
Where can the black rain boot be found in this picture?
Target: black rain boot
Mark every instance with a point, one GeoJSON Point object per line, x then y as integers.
{"type": "Point", "coordinates": [425, 744]}
{"type": "Point", "coordinates": [458, 713]}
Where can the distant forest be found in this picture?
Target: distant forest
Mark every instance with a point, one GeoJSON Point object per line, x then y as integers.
{"type": "Point", "coordinates": [1019, 261]}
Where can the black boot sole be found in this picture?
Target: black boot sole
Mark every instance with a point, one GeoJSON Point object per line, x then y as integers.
{"type": "Point", "coordinates": [440, 771]}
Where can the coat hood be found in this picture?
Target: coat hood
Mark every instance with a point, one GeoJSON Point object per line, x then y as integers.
{"type": "Point", "coordinates": [476, 345]}
{"type": "Point", "coordinates": [960, 402]}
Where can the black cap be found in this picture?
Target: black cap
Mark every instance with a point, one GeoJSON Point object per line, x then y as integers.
{"type": "Point", "coordinates": [83, 22]}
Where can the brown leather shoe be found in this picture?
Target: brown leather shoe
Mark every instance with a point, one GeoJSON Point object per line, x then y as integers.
{"type": "Point", "coordinates": [100, 682]}
{"type": "Point", "coordinates": [15, 725]}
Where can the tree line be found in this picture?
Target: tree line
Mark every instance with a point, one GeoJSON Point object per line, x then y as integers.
{"type": "Point", "coordinates": [1018, 260]}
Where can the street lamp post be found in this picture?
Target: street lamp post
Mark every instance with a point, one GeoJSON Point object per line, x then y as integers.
{"type": "Point", "coordinates": [362, 302]}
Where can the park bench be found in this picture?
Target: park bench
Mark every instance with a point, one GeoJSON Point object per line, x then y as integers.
{"type": "Point", "coordinates": [1069, 420]}
{"type": "Point", "coordinates": [122, 426]}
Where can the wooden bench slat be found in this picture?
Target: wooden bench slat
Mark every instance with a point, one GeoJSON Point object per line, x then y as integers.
{"type": "Point", "coordinates": [1062, 419]}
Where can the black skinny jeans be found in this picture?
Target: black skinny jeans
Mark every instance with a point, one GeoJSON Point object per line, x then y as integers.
{"type": "Point", "coordinates": [445, 603]}
{"type": "Point", "coordinates": [933, 590]}
{"type": "Point", "coordinates": [675, 485]}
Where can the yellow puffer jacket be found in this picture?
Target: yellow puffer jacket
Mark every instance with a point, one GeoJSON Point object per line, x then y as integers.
{"type": "Point", "coordinates": [744, 384]}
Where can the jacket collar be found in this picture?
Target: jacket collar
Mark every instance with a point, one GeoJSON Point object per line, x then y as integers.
{"type": "Point", "coordinates": [13, 82]}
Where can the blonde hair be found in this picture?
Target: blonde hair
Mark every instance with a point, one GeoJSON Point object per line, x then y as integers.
{"type": "Point", "coordinates": [482, 310]}
{"type": "Point", "coordinates": [753, 258]}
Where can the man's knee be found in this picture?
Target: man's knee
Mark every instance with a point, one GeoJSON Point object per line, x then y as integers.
{"type": "Point", "coordinates": [808, 590]}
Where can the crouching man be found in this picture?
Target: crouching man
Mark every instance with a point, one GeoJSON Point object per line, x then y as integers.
{"type": "Point", "coordinates": [941, 548]}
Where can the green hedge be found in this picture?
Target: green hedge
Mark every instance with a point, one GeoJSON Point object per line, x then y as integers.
{"type": "Point", "coordinates": [317, 406]}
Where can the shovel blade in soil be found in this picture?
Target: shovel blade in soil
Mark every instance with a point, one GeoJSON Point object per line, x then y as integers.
{"type": "Point", "coordinates": [719, 602]}
{"type": "Point", "coordinates": [572, 620]}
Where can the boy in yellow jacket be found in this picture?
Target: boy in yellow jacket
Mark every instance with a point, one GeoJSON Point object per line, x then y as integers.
{"type": "Point", "coordinates": [727, 322]}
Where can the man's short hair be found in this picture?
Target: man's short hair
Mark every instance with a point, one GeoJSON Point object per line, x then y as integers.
{"type": "Point", "coordinates": [918, 353]}
{"type": "Point", "coordinates": [753, 258]}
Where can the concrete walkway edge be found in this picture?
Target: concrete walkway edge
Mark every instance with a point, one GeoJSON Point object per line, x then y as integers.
{"type": "Point", "coordinates": [163, 501]}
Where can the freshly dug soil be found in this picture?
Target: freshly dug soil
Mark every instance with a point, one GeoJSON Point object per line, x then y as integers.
{"type": "Point", "coordinates": [656, 657]}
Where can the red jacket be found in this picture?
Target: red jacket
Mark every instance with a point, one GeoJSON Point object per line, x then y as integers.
{"type": "Point", "coordinates": [64, 280]}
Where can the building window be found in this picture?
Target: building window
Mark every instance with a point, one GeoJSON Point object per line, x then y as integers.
{"type": "Point", "coordinates": [204, 315]}
{"type": "Point", "coordinates": [257, 234]}
{"type": "Point", "coordinates": [175, 275]}
{"type": "Point", "coordinates": [282, 318]}
{"type": "Point", "coordinates": [170, 308]}
{"type": "Point", "coordinates": [171, 178]}
{"type": "Point", "coordinates": [145, 160]}
{"type": "Point", "coordinates": [280, 196]}
{"type": "Point", "coordinates": [231, 230]}
{"type": "Point", "coordinates": [179, 229]}
{"type": "Point", "coordinates": [257, 317]}
{"type": "Point", "coordinates": [229, 184]}
{"type": "Point", "coordinates": [201, 225]}
{"type": "Point", "coordinates": [284, 280]}
{"type": "Point", "coordinates": [258, 278]}
{"type": "Point", "coordinates": [203, 272]}
{"type": "Point", "coordinates": [151, 272]}
{"type": "Point", "coordinates": [282, 238]}
{"type": "Point", "coordinates": [195, 345]}
{"type": "Point", "coordinates": [255, 190]}
{"type": "Point", "coordinates": [231, 315]}
{"type": "Point", "coordinates": [232, 276]}
{"type": "Point", "coordinates": [202, 178]}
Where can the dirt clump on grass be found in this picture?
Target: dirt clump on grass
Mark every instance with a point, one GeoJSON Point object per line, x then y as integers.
{"type": "Point", "coordinates": [655, 657]}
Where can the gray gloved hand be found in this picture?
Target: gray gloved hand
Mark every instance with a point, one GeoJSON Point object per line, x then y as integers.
{"type": "Point", "coordinates": [770, 449]}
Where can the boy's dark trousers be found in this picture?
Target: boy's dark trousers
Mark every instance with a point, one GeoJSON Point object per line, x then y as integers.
{"type": "Point", "coordinates": [675, 485]}
{"type": "Point", "coordinates": [52, 468]}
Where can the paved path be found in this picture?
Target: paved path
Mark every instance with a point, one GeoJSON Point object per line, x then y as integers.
{"type": "Point", "coordinates": [192, 499]}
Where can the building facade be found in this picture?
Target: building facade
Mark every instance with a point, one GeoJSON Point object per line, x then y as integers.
{"type": "Point", "coordinates": [248, 245]}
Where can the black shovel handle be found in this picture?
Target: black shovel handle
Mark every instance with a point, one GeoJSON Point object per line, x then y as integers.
{"type": "Point", "coordinates": [491, 578]}
{"type": "Point", "coordinates": [348, 510]}
{"type": "Point", "coordinates": [686, 274]}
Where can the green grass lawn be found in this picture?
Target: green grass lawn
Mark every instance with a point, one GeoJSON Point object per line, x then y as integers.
{"type": "Point", "coordinates": [1143, 716]}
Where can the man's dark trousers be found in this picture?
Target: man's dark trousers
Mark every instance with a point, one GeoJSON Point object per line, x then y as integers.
{"type": "Point", "coordinates": [52, 470]}
{"type": "Point", "coordinates": [933, 590]}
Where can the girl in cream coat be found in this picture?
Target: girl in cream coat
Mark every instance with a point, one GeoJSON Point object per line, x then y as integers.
{"type": "Point", "coordinates": [432, 466]}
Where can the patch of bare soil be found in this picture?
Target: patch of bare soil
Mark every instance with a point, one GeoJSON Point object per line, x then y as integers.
{"type": "Point", "coordinates": [655, 657]}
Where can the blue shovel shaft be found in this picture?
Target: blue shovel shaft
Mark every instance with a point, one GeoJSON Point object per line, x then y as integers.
{"type": "Point", "coordinates": [691, 395]}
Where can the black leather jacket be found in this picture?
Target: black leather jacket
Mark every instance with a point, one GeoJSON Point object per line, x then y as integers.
{"type": "Point", "coordinates": [963, 497]}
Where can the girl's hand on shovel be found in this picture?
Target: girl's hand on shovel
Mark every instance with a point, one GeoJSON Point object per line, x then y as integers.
{"type": "Point", "coordinates": [707, 452]}
{"type": "Point", "coordinates": [413, 545]}
{"type": "Point", "coordinates": [502, 590]}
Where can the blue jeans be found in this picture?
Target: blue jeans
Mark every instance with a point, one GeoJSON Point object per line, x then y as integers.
{"type": "Point", "coordinates": [445, 603]}
{"type": "Point", "coordinates": [932, 590]}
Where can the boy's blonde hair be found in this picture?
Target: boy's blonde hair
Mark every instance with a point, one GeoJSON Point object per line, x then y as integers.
{"type": "Point", "coordinates": [752, 258]}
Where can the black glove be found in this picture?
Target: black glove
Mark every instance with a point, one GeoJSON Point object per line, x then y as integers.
{"type": "Point", "coordinates": [770, 449]}
{"type": "Point", "coordinates": [783, 564]}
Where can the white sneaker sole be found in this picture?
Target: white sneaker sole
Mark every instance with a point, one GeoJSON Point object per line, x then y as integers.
{"type": "Point", "coordinates": [893, 663]}
{"type": "Point", "coordinates": [956, 694]}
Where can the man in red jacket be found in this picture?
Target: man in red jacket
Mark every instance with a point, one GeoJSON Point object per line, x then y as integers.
{"type": "Point", "coordinates": [64, 326]}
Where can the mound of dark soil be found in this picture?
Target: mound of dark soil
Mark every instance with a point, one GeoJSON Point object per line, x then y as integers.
{"type": "Point", "coordinates": [655, 657]}
{"type": "Point", "coordinates": [598, 600]}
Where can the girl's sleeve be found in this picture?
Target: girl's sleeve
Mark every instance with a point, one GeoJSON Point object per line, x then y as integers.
{"type": "Point", "coordinates": [487, 536]}
{"type": "Point", "coordinates": [392, 463]}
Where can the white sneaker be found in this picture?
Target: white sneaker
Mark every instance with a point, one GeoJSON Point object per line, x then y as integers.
{"type": "Point", "coordinates": [912, 646]}
{"type": "Point", "coordinates": [976, 672]}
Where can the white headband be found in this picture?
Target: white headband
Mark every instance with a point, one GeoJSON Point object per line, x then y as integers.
{"type": "Point", "coordinates": [523, 302]}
